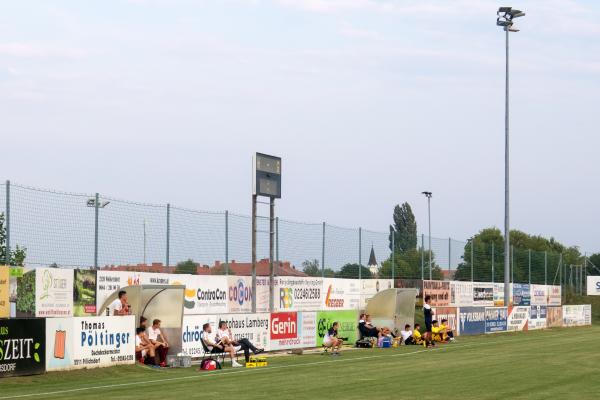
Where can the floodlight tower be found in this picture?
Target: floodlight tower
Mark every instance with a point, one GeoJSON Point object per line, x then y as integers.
{"type": "Point", "coordinates": [428, 195]}
{"type": "Point", "coordinates": [266, 182]}
{"type": "Point", "coordinates": [505, 16]}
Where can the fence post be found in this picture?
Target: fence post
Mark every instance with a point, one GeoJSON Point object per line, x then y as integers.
{"type": "Point", "coordinates": [545, 267]}
{"type": "Point", "coordinates": [529, 263]}
{"type": "Point", "coordinates": [7, 220]}
{"type": "Point", "coordinates": [226, 242]}
{"type": "Point", "coordinates": [392, 257]}
{"type": "Point", "coordinates": [277, 244]}
{"type": "Point", "coordinates": [512, 263]}
{"type": "Point", "coordinates": [168, 249]}
{"type": "Point", "coordinates": [472, 252]}
{"type": "Point", "coordinates": [493, 278]}
{"type": "Point", "coordinates": [449, 254]}
{"type": "Point", "coordinates": [96, 208]}
{"type": "Point", "coordinates": [560, 277]}
{"type": "Point", "coordinates": [422, 256]}
{"type": "Point", "coordinates": [323, 252]}
{"type": "Point", "coordinates": [359, 253]}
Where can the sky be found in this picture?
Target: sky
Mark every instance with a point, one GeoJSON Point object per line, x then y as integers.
{"type": "Point", "coordinates": [368, 103]}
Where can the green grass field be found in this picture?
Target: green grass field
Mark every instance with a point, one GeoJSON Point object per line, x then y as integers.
{"type": "Point", "coordinates": [557, 363]}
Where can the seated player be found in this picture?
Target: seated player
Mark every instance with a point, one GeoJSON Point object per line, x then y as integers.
{"type": "Point", "coordinates": [218, 347]}
{"type": "Point", "coordinates": [144, 351]}
{"type": "Point", "coordinates": [437, 334]}
{"type": "Point", "coordinates": [407, 335]}
{"type": "Point", "coordinates": [226, 337]}
{"type": "Point", "coordinates": [159, 340]}
{"type": "Point", "coordinates": [332, 341]}
{"type": "Point", "coordinates": [417, 337]}
{"type": "Point", "coordinates": [447, 331]}
{"type": "Point", "coordinates": [365, 327]}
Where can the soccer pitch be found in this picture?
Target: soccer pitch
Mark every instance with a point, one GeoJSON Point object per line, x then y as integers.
{"type": "Point", "coordinates": [557, 363]}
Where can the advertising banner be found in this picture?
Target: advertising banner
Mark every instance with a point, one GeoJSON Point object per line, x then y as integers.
{"type": "Point", "coordinates": [537, 317]}
{"type": "Point", "coordinates": [254, 327]}
{"type": "Point", "coordinates": [483, 294]}
{"type": "Point", "coordinates": [521, 294]}
{"type": "Point", "coordinates": [53, 292]}
{"type": "Point", "coordinates": [262, 294]}
{"type": "Point", "coordinates": [539, 295]}
{"type": "Point", "coordinates": [347, 320]}
{"type": "Point", "coordinates": [4, 290]}
{"type": "Point", "coordinates": [577, 315]}
{"type": "Point", "coordinates": [339, 294]}
{"type": "Point", "coordinates": [23, 347]}
{"type": "Point", "coordinates": [411, 284]}
{"type": "Point", "coordinates": [449, 313]}
{"type": "Point", "coordinates": [370, 287]}
{"type": "Point", "coordinates": [593, 285]}
{"type": "Point", "coordinates": [499, 294]}
{"type": "Point", "coordinates": [239, 294]}
{"type": "Point", "coordinates": [554, 317]}
{"type": "Point", "coordinates": [517, 318]}
{"type": "Point", "coordinates": [204, 294]}
{"type": "Point", "coordinates": [461, 294]}
{"type": "Point", "coordinates": [298, 293]}
{"type": "Point", "coordinates": [103, 341]}
{"type": "Point", "coordinates": [59, 344]}
{"type": "Point", "coordinates": [439, 292]}
{"type": "Point", "coordinates": [190, 333]}
{"type": "Point", "coordinates": [108, 282]}
{"type": "Point", "coordinates": [292, 330]}
{"type": "Point", "coordinates": [554, 295]}
{"type": "Point", "coordinates": [496, 319]}
{"type": "Point", "coordinates": [471, 320]}
{"type": "Point", "coordinates": [84, 293]}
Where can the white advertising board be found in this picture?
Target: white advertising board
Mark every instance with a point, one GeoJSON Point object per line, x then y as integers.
{"type": "Point", "coordinates": [340, 294]}
{"type": "Point", "coordinates": [53, 292]}
{"type": "Point", "coordinates": [483, 294]}
{"type": "Point", "coordinates": [577, 315]}
{"type": "Point", "coordinates": [204, 294]}
{"type": "Point", "coordinates": [461, 294]}
{"type": "Point", "coordinates": [297, 293]}
{"type": "Point", "coordinates": [554, 295]}
{"type": "Point", "coordinates": [190, 333]}
{"type": "Point", "coordinates": [537, 317]}
{"type": "Point", "coordinates": [254, 327]}
{"type": "Point", "coordinates": [593, 285]}
{"type": "Point", "coordinates": [289, 330]}
{"type": "Point", "coordinates": [499, 294]}
{"type": "Point", "coordinates": [262, 294]}
{"type": "Point", "coordinates": [539, 295]}
{"type": "Point", "coordinates": [239, 294]}
{"type": "Point", "coordinates": [370, 287]}
{"type": "Point", "coordinates": [517, 318]}
{"type": "Point", "coordinates": [59, 344]}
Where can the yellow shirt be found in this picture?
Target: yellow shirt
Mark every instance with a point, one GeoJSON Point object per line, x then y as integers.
{"type": "Point", "coordinates": [417, 334]}
{"type": "Point", "coordinates": [444, 326]}
{"type": "Point", "coordinates": [436, 329]}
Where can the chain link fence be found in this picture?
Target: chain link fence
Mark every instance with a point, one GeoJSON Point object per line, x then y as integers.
{"type": "Point", "coordinates": [91, 230]}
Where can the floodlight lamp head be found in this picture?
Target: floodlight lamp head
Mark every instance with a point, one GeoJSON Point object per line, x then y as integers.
{"type": "Point", "coordinates": [427, 194]}
{"type": "Point", "coordinates": [512, 28]}
{"type": "Point", "coordinates": [504, 9]}
{"type": "Point", "coordinates": [516, 14]}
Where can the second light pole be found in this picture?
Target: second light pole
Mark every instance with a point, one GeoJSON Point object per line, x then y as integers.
{"type": "Point", "coordinates": [428, 195]}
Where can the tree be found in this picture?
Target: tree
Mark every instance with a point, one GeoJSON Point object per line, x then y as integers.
{"type": "Point", "coordinates": [594, 269]}
{"type": "Point", "coordinates": [352, 271]}
{"type": "Point", "coordinates": [311, 267]}
{"type": "Point", "coordinates": [404, 229]}
{"type": "Point", "coordinates": [17, 255]}
{"type": "Point", "coordinates": [411, 264]}
{"type": "Point", "coordinates": [186, 267]}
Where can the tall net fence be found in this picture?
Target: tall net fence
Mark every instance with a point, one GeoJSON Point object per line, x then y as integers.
{"type": "Point", "coordinates": [91, 230]}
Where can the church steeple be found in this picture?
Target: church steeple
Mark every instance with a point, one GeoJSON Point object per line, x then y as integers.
{"type": "Point", "coordinates": [372, 260]}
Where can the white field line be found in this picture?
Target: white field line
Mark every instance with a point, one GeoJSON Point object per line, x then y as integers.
{"type": "Point", "coordinates": [241, 371]}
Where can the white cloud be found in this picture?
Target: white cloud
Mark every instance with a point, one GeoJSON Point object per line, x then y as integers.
{"type": "Point", "coordinates": [36, 50]}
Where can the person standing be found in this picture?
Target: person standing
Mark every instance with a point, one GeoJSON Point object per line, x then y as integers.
{"type": "Point", "coordinates": [428, 316]}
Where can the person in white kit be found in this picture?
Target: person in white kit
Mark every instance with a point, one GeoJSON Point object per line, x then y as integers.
{"type": "Point", "coordinates": [120, 305]}
{"type": "Point", "coordinates": [225, 336]}
{"type": "Point", "coordinates": [159, 340]}
{"type": "Point", "coordinates": [407, 335]}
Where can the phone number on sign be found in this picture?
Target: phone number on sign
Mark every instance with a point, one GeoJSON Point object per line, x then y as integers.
{"type": "Point", "coordinates": [307, 294]}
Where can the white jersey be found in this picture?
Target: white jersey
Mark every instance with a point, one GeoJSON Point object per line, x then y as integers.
{"type": "Point", "coordinates": [405, 334]}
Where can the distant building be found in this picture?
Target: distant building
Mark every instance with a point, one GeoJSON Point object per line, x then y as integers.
{"type": "Point", "coordinates": [373, 266]}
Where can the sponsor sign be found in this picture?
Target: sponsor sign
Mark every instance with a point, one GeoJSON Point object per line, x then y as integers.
{"type": "Point", "coordinates": [521, 294]}
{"type": "Point", "coordinates": [22, 347]}
{"type": "Point", "coordinates": [593, 285]}
{"type": "Point", "coordinates": [471, 320]}
{"type": "Point", "coordinates": [59, 344]}
{"type": "Point", "coordinates": [4, 290]}
{"type": "Point", "coordinates": [262, 294]}
{"type": "Point", "coordinates": [239, 294]}
{"type": "Point", "coordinates": [577, 315]}
{"type": "Point", "coordinates": [499, 294]}
{"type": "Point", "coordinates": [340, 294]}
{"type": "Point", "coordinates": [554, 317]}
{"type": "Point", "coordinates": [554, 295]}
{"type": "Point", "coordinates": [297, 293]}
{"type": "Point", "coordinates": [190, 333]}
{"type": "Point", "coordinates": [103, 341]}
{"type": "Point", "coordinates": [370, 287]}
{"type": "Point", "coordinates": [204, 294]}
{"type": "Point", "coordinates": [483, 294]}
{"type": "Point", "coordinates": [439, 292]}
{"type": "Point", "coordinates": [347, 320]}
{"type": "Point", "coordinates": [84, 292]}
{"type": "Point", "coordinates": [289, 330]}
{"type": "Point", "coordinates": [411, 284]}
{"type": "Point", "coordinates": [53, 292]}
{"type": "Point", "coordinates": [517, 318]}
{"type": "Point", "coordinates": [496, 319]}
{"type": "Point", "coordinates": [461, 294]}
{"type": "Point", "coordinates": [539, 295]}
{"type": "Point", "coordinates": [108, 282]}
{"type": "Point", "coordinates": [537, 317]}
{"type": "Point", "coordinates": [254, 327]}
{"type": "Point", "coordinates": [449, 313]}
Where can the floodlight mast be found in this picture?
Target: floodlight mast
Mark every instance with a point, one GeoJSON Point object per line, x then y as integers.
{"type": "Point", "coordinates": [505, 16]}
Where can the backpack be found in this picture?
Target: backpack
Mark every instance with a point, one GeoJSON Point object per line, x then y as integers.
{"type": "Point", "coordinates": [210, 365]}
